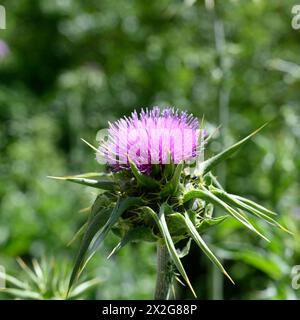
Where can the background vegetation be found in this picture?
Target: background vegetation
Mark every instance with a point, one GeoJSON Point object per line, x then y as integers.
{"type": "Point", "coordinates": [69, 66]}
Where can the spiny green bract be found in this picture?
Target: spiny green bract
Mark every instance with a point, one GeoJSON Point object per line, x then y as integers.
{"type": "Point", "coordinates": [46, 279]}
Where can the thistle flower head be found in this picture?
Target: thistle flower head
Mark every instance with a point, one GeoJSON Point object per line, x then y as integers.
{"type": "Point", "coordinates": [151, 137]}
{"type": "Point", "coordinates": [167, 205]}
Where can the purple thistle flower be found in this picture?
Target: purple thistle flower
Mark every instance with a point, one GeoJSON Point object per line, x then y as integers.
{"type": "Point", "coordinates": [151, 137]}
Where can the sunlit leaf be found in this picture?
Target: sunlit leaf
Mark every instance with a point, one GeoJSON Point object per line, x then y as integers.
{"type": "Point", "coordinates": [24, 294]}
{"type": "Point", "coordinates": [256, 206]}
{"type": "Point", "coordinates": [28, 271]}
{"type": "Point", "coordinates": [104, 184]}
{"type": "Point", "coordinates": [175, 224]}
{"type": "Point", "coordinates": [207, 195]}
{"type": "Point", "coordinates": [83, 287]}
{"type": "Point", "coordinates": [13, 280]}
{"type": "Point", "coordinates": [233, 200]}
{"type": "Point", "coordinates": [203, 246]}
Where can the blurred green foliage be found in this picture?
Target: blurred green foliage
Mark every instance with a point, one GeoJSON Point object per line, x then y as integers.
{"type": "Point", "coordinates": [71, 66]}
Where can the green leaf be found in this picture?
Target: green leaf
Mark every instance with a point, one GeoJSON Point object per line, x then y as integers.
{"type": "Point", "coordinates": [207, 195]}
{"type": "Point", "coordinates": [208, 211]}
{"type": "Point", "coordinates": [14, 281]}
{"type": "Point", "coordinates": [28, 271]}
{"type": "Point", "coordinates": [256, 206]}
{"type": "Point", "coordinates": [171, 186]}
{"type": "Point", "coordinates": [24, 294]}
{"type": "Point", "coordinates": [175, 225]}
{"type": "Point", "coordinates": [203, 246]}
{"type": "Point", "coordinates": [101, 202]}
{"type": "Point", "coordinates": [207, 165]}
{"type": "Point", "coordinates": [214, 181]}
{"type": "Point", "coordinates": [207, 223]}
{"type": "Point", "coordinates": [93, 226]}
{"type": "Point", "coordinates": [142, 179]}
{"type": "Point", "coordinates": [91, 175]}
{"type": "Point", "coordinates": [85, 179]}
{"type": "Point", "coordinates": [141, 233]}
{"type": "Point", "coordinates": [162, 225]}
{"type": "Point", "coordinates": [185, 250]}
{"type": "Point", "coordinates": [193, 215]}
{"type": "Point", "coordinates": [83, 287]}
{"type": "Point", "coordinates": [233, 200]}
{"type": "Point", "coordinates": [121, 206]}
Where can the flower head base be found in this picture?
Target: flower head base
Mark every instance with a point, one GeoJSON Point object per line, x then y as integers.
{"type": "Point", "coordinates": [152, 137]}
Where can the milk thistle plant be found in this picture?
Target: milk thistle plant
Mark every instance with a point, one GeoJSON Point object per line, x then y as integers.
{"type": "Point", "coordinates": [159, 188]}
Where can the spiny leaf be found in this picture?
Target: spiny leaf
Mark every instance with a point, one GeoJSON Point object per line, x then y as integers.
{"type": "Point", "coordinates": [25, 294]}
{"type": "Point", "coordinates": [162, 225]}
{"type": "Point", "coordinates": [171, 186]}
{"type": "Point", "coordinates": [38, 270]}
{"type": "Point", "coordinates": [90, 145]}
{"type": "Point", "coordinates": [102, 201]}
{"type": "Point", "coordinates": [83, 287]}
{"type": "Point", "coordinates": [207, 223]}
{"type": "Point", "coordinates": [104, 184]}
{"type": "Point", "coordinates": [175, 225]}
{"type": "Point", "coordinates": [91, 175]}
{"type": "Point", "coordinates": [94, 225]}
{"type": "Point", "coordinates": [179, 280]}
{"type": "Point", "coordinates": [234, 213]}
{"type": "Point", "coordinates": [207, 165]}
{"type": "Point", "coordinates": [99, 204]}
{"type": "Point", "coordinates": [241, 205]}
{"type": "Point", "coordinates": [13, 280]}
{"type": "Point", "coordinates": [256, 206]}
{"type": "Point", "coordinates": [215, 181]}
{"type": "Point", "coordinates": [136, 234]}
{"type": "Point", "coordinates": [207, 195]}
{"type": "Point", "coordinates": [203, 246]}
{"type": "Point", "coordinates": [28, 271]}
{"type": "Point", "coordinates": [121, 206]}
{"type": "Point", "coordinates": [142, 179]}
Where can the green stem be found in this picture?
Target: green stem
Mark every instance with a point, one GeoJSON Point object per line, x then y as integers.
{"type": "Point", "coordinates": [163, 280]}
